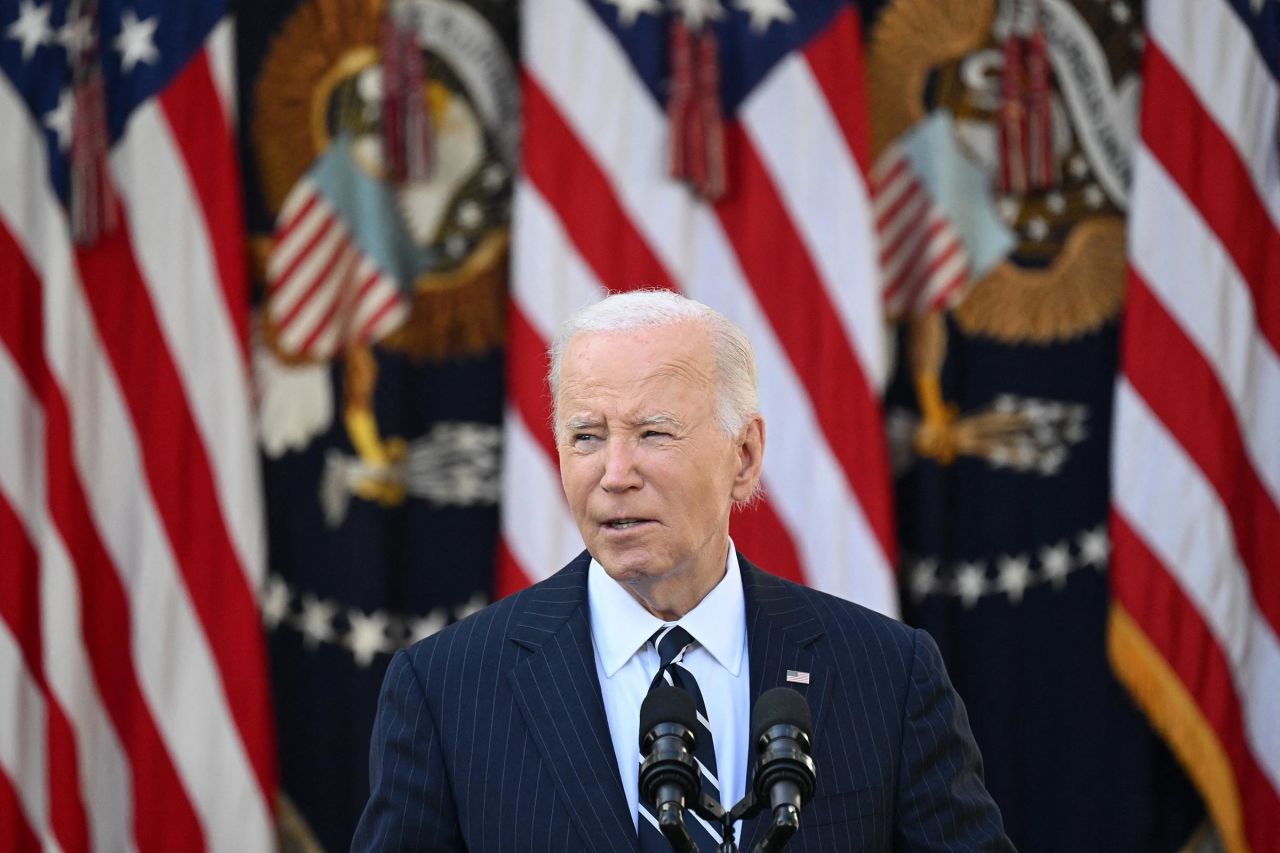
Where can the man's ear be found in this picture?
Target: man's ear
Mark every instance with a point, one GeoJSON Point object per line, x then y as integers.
{"type": "Point", "coordinates": [750, 458]}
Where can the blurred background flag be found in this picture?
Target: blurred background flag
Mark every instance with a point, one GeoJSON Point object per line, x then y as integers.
{"type": "Point", "coordinates": [1196, 468]}
{"type": "Point", "coordinates": [743, 185]}
{"type": "Point", "coordinates": [133, 689]}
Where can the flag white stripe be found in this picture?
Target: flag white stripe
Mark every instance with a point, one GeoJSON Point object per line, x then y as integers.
{"type": "Point", "coordinates": [919, 206]}
{"type": "Point", "coordinates": [1247, 115]}
{"type": "Point", "coordinates": [329, 290]}
{"type": "Point", "coordinates": [540, 532]}
{"type": "Point", "coordinates": [1165, 498]}
{"type": "Point", "coordinates": [288, 249]}
{"type": "Point", "coordinates": [220, 47]}
{"type": "Point", "coordinates": [292, 292]}
{"type": "Point", "coordinates": [825, 199]}
{"type": "Point", "coordinates": [543, 253]}
{"type": "Point", "coordinates": [177, 673]}
{"type": "Point", "coordinates": [1197, 282]}
{"type": "Point", "coordinates": [22, 737]}
{"type": "Point", "coordinates": [909, 255]}
{"type": "Point", "coordinates": [303, 191]}
{"type": "Point", "coordinates": [172, 246]}
{"type": "Point", "coordinates": [104, 773]}
{"type": "Point", "coordinates": [616, 119]}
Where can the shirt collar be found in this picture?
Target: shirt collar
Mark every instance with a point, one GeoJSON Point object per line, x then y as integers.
{"type": "Point", "coordinates": [620, 626]}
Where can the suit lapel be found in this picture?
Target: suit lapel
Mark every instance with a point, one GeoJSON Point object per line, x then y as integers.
{"type": "Point", "coordinates": [783, 635]}
{"type": "Point", "coordinates": [558, 692]}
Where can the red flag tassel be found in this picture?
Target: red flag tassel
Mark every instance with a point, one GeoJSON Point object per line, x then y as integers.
{"type": "Point", "coordinates": [1012, 122]}
{"type": "Point", "coordinates": [711, 172]}
{"type": "Point", "coordinates": [406, 121]}
{"type": "Point", "coordinates": [93, 200]}
{"type": "Point", "coordinates": [693, 110]}
{"type": "Point", "coordinates": [680, 99]}
{"type": "Point", "coordinates": [1044, 173]}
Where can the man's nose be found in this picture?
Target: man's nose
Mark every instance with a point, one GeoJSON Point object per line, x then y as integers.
{"type": "Point", "coordinates": [620, 471]}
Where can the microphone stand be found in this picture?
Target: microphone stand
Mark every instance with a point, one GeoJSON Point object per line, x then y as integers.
{"type": "Point", "coordinates": [786, 821]}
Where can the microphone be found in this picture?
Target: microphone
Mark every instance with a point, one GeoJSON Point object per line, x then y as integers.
{"type": "Point", "coordinates": [785, 774]}
{"type": "Point", "coordinates": [669, 773]}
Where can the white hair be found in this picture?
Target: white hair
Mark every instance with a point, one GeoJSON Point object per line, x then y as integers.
{"type": "Point", "coordinates": [735, 383]}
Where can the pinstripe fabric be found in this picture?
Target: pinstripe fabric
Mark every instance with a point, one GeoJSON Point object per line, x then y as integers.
{"type": "Point", "coordinates": [491, 735]}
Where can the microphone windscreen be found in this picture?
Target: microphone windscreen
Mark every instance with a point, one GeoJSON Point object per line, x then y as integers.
{"type": "Point", "coordinates": [780, 706]}
{"type": "Point", "coordinates": [667, 704]}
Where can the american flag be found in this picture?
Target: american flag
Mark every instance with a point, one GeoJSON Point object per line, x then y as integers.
{"type": "Point", "coordinates": [787, 252]}
{"type": "Point", "coordinates": [134, 707]}
{"type": "Point", "coordinates": [1196, 464]}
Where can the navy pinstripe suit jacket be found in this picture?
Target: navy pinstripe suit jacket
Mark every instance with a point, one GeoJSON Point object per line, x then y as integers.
{"type": "Point", "coordinates": [491, 735]}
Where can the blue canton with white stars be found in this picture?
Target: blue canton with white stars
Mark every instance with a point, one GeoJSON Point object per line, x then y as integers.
{"type": "Point", "coordinates": [143, 45]}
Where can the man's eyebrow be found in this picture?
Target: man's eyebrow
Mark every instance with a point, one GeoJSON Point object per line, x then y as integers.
{"type": "Point", "coordinates": [659, 419]}
{"type": "Point", "coordinates": [581, 422]}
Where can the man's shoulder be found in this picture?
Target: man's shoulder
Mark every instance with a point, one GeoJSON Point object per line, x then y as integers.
{"type": "Point", "coordinates": [488, 628]}
{"type": "Point", "coordinates": [835, 614]}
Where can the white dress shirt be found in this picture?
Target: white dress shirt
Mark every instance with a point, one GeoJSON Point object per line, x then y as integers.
{"type": "Point", "coordinates": [626, 664]}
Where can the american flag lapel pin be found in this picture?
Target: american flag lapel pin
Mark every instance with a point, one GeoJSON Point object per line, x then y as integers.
{"type": "Point", "coordinates": [795, 676]}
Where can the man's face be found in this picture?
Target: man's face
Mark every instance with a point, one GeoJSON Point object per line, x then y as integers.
{"type": "Point", "coordinates": [649, 476]}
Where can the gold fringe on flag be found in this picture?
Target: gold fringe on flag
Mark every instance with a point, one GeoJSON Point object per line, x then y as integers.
{"type": "Point", "coordinates": [1177, 717]}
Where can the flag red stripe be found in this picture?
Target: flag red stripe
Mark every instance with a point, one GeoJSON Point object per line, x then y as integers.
{"type": "Point", "coordinates": [791, 294]}
{"type": "Point", "coordinates": [188, 506]}
{"type": "Point", "coordinates": [20, 610]}
{"type": "Point", "coordinates": [1184, 137]}
{"type": "Point", "coordinates": [341, 272]}
{"type": "Point", "coordinates": [1200, 417]}
{"type": "Point", "coordinates": [945, 293]}
{"type": "Point", "coordinates": [162, 811]}
{"type": "Point", "coordinates": [1175, 627]}
{"type": "Point", "coordinates": [321, 278]}
{"type": "Point", "coordinates": [283, 232]}
{"type": "Point", "coordinates": [575, 187]}
{"type": "Point", "coordinates": [509, 577]}
{"type": "Point", "coordinates": [913, 196]}
{"type": "Point", "coordinates": [391, 303]}
{"type": "Point", "coordinates": [921, 238]}
{"type": "Point", "coordinates": [207, 144]}
{"type": "Point", "coordinates": [881, 183]}
{"type": "Point", "coordinates": [16, 835]}
{"type": "Point", "coordinates": [835, 56]}
{"type": "Point", "coordinates": [526, 379]}
{"type": "Point", "coordinates": [758, 531]}
{"type": "Point", "coordinates": [303, 254]}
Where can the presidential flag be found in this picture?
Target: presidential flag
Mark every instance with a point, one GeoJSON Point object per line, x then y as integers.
{"type": "Point", "coordinates": [134, 707]}
{"type": "Point", "coordinates": [1196, 466]}
{"type": "Point", "coordinates": [718, 149]}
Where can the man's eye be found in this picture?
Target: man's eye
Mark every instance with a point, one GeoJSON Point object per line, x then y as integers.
{"type": "Point", "coordinates": [580, 437]}
{"type": "Point", "coordinates": [655, 433]}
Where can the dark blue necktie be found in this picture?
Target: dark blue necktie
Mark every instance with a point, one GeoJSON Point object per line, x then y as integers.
{"type": "Point", "coordinates": [672, 643]}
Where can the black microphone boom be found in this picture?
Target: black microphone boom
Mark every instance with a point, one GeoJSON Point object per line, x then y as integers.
{"type": "Point", "coordinates": [669, 772]}
{"type": "Point", "coordinates": [785, 775]}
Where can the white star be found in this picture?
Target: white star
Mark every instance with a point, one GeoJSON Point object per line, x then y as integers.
{"type": "Point", "coordinates": [1119, 12]}
{"type": "Point", "coordinates": [1055, 564]}
{"type": "Point", "coordinates": [629, 10]}
{"type": "Point", "coordinates": [316, 621]}
{"type": "Point", "coordinates": [470, 214]}
{"type": "Point", "coordinates": [1037, 228]}
{"type": "Point", "coordinates": [971, 583]}
{"type": "Point", "coordinates": [1078, 166]}
{"type": "Point", "coordinates": [425, 626]}
{"type": "Point", "coordinates": [1093, 196]}
{"type": "Point", "coordinates": [1014, 577]}
{"type": "Point", "coordinates": [31, 27]}
{"type": "Point", "coordinates": [474, 604]}
{"type": "Point", "coordinates": [698, 12]}
{"type": "Point", "coordinates": [1008, 207]}
{"type": "Point", "coordinates": [58, 119]}
{"type": "Point", "coordinates": [1055, 202]}
{"type": "Point", "coordinates": [765, 12]}
{"type": "Point", "coordinates": [367, 637]}
{"type": "Point", "coordinates": [275, 602]}
{"type": "Point", "coordinates": [75, 36]}
{"type": "Point", "coordinates": [1095, 547]}
{"type": "Point", "coordinates": [136, 41]}
{"type": "Point", "coordinates": [924, 579]}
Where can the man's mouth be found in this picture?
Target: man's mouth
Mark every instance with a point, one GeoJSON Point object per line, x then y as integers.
{"type": "Point", "coordinates": [624, 523]}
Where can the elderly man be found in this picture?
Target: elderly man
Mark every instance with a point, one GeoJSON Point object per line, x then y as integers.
{"type": "Point", "coordinates": [517, 728]}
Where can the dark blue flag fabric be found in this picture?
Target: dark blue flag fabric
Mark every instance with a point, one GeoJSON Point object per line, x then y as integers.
{"type": "Point", "coordinates": [1002, 139]}
{"type": "Point", "coordinates": [379, 226]}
